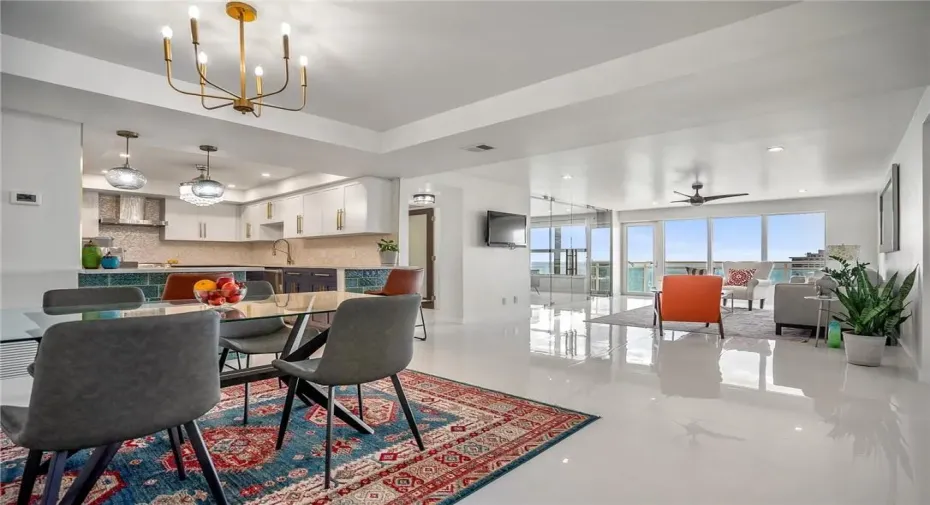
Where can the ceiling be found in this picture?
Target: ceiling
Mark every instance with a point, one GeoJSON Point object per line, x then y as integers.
{"type": "Point", "coordinates": [632, 99]}
{"type": "Point", "coordinates": [378, 64]}
{"type": "Point", "coordinates": [102, 151]}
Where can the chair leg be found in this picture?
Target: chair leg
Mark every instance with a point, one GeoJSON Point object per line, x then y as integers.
{"type": "Point", "coordinates": [777, 329]}
{"type": "Point", "coordinates": [245, 412]}
{"type": "Point", "coordinates": [330, 407]}
{"type": "Point", "coordinates": [90, 474]}
{"type": "Point", "coordinates": [720, 326]}
{"type": "Point", "coordinates": [180, 433]}
{"type": "Point", "coordinates": [56, 470]}
{"type": "Point", "coordinates": [223, 356]}
{"type": "Point", "coordinates": [402, 398]}
{"type": "Point", "coordinates": [281, 384]}
{"type": "Point", "coordinates": [206, 463]}
{"type": "Point", "coordinates": [176, 450]}
{"type": "Point", "coordinates": [762, 303]}
{"type": "Point", "coordinates": [361, 409]}
{"type": "Point", "coordinates": [29, 477]}
{"type": "Point", "coordinates": [286, 415]}
{"type": "Point", "coordinates": [423, 324]}
{"type": "Point", "coordinates": [661, 332]}
{"type": "Point", "coordinates": [750, 305]}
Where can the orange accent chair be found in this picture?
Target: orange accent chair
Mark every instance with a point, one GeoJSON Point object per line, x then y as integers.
{"type": "Point", "coordinates": [404, 281]}
{"type": "Point", "coordinates": [689, 299]}
{"type": "Point", "coordinates": [180, 286]}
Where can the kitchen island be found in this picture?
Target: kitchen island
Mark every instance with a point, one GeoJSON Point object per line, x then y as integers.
{"type": "Point", "coordinates": [150, 280]}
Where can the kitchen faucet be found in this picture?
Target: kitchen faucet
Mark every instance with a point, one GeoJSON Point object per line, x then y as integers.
{"type": "Point", "coordinates": [274, 250]}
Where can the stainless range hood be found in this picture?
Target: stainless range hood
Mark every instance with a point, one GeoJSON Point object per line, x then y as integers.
{"type": "Point", "coordinates": [132, 212]}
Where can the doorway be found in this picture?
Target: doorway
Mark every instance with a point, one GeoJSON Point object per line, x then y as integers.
{"type": "Point", "coordinates": [423, 250]}
{"type": "Point", "coordinates": [639, 257]}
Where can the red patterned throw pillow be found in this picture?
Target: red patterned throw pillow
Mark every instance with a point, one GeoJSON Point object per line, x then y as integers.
{"type": "Point", "coordinates": [739, 276]}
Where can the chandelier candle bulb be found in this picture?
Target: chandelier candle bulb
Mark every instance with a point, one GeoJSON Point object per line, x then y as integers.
{"type": "Point", "coordinates": [193, 12]}
{"type": "Point", "coordinates": [166, 43]}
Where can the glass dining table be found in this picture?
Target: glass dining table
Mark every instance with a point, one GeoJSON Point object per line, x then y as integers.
{"type": "Point", "coordinates": [30, 324]}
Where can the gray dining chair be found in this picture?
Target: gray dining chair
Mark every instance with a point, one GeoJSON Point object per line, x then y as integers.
{"type": "Point", "coordinates": [370, 339]}
{"type": "Point", "coordinates": [255, 336]}
{"type": "Point", "coordinates": [76, 300]}
{"type": "Point", "coordinates": [100, 383]}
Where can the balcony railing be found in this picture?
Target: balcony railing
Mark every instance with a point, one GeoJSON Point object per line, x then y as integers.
{"type": "Point", "coordinates": [641, 275]}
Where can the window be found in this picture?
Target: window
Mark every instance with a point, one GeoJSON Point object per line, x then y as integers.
{"type": "Point", "coordinates": [600, 244]}
{"type": "Point", "coordinates": [737, 239]}
{"type": "Point", "coordinates": [685, 245]}
{"type": "Point", "coordinates": [793, 237]}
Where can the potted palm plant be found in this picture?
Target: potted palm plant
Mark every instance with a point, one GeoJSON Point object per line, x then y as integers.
{"type": "Point", "coordinates": [387, 249]}
{"type": "Point", "coordinates": [874, 314]}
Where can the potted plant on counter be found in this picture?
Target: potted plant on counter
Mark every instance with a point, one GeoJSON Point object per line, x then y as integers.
{"type": "Point", "coordinates": [387, 249]}
{"type": "Point", "coordinates": [874, 314]}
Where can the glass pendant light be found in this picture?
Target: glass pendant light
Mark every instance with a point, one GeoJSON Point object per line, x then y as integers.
{"type": "Point", "coordinates": [185, 190]}
{"type": "Point", "coordinates": [204, 186]}
{"type": "Point", "coordinates": [126, 177]}
{"type": "Point", "coordinates": [424, 199]}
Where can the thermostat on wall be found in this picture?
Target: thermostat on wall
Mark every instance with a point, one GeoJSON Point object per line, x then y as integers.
{"type": "Point", "coordinates": [25, 198]}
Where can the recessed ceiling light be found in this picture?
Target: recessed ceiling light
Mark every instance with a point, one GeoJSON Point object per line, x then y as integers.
{"type": "Point", "coordinates": [565, 460]}
{"type": "Point", "coordinates": [567, 176]}
{"type": "Point", "coordinates": [776, 149]}
{"type": "Point", "coordinates": [123, 155]}
{"type": "Point", "coordinates": [802, 191]}
{"type": "Point", "coordinates": [103, 171]}
{"type": "Point", "coordinates": [798, 428]}
{"type": "Point", "coordinates": [266, 175]}
{"type": "Point", "coordinates": [568, 209]}
{"type": "Point", "coordinates": [230, 185]}
{"type": "Point", "coordinates": [655, 203]}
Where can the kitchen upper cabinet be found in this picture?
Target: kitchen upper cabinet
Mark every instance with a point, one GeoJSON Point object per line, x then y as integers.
{"type": "Point", "coordinates": [330, 202]}
{"type": "Point", "coordinates": [215, 223]}
{"type": "Point", "coordinates": [90, 214]}
{"type": "Point", "coordinates": [291, 211]}
{"type": "Point", "coordinates": [312, 221]}
{"type": "Point", "coordinates": [271, 212]}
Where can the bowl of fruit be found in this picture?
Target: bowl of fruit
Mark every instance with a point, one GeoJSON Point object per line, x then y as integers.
{"type": "Point", "coordinates": [222, 292]}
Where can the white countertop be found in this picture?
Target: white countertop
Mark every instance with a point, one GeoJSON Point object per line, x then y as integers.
{"type": "Point", "coordinates": [165, 270]}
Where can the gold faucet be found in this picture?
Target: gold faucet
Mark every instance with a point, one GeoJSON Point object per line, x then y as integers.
{"type": "Point", "coordinates": [274, 250]}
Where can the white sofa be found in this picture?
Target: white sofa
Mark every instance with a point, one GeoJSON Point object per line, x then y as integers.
{"type": "Point", "coordinates": [758, 288]}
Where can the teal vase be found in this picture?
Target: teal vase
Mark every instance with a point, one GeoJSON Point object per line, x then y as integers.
{"type": "Point", "coordinates": [834, 339]}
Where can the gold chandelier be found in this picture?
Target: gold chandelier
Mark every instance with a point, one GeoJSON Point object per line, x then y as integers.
{"type": "Point", "coordinates": [243, 13]}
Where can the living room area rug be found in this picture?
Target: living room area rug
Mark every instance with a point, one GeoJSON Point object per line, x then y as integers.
{"type": "Point", "coordinates": [741, 323]}
{"type": "Point", "coordinates": [472, 436]}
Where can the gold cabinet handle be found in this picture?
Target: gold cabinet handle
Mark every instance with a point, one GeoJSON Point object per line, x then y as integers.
{"type": "Point", "coordinates": [248, 230]}
{"type": "Point", "coordinates": [339, 219]}
{"type": "Point", "coordinates": [300, 224]}
{"type": "Point", "coordinates": [269, 210]}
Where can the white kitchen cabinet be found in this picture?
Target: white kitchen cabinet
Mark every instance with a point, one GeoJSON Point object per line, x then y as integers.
{"type": "Point", "coordinates": [216, 223]}
{"type": "Point", "coordinates": [249, 220]}
{"type": "Point", "coordinates": [271, 212]}
{"type": "Point", "coordinates": [312, 221]}
{"type": "Point", "coordinates": [331, 202]}
{"type": "Point", "coordinates": [291, 211]}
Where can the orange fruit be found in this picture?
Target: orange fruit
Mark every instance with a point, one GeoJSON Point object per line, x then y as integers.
{"type": "Point", "coordinates": [205, 285]}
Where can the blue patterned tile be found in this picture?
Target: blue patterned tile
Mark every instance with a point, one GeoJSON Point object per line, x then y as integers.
{"type": "Point", "coordinates": [351, 283]}
{"type": "Point", "coordinates": [133, 279]}
{"type": "Point", "coordinates": [93, 280]}
{"type": "Point", "coordinates": [158, 278]}
{"type": "Point", "coordinates": [239, 276]}
{"type": "Point", "coordinates": [152, 292]}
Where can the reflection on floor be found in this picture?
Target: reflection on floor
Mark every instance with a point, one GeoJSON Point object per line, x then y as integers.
{"type": "Point", "coordinates": [692, 419]}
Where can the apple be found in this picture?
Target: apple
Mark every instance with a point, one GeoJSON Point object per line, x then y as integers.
{"type": "Point", "coordinates": [233, 314]}
{"type": "Point", "coordinates": [234, 298]}
{"type": "Point", "coordinates": [217, 301]}
{"type": "Point", "coordinates": [220, 282]}
{"type": "Point", "coordinates": [230, 288]}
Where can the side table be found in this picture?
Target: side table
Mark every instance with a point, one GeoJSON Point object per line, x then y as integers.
{"type": "Point", "coordinates": [823, 306]}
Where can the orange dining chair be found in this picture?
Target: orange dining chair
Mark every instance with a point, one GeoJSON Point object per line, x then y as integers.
{"type": "Point", "coordinates": [180, 286]}
{"type": "Point", "coordinates": [690, 299]}
{"type": "Point", "coordinates": [404, 281]}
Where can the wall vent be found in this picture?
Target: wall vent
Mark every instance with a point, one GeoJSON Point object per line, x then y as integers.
{"type": "Point", "coordinates": [478, 148]}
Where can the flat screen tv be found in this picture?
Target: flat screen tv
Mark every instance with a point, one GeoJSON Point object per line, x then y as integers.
{"type": "Point", "coordinates": [505, 230]}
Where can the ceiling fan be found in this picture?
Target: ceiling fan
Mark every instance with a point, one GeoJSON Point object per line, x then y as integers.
{"type": "Point", "coordinates": [697, 199]}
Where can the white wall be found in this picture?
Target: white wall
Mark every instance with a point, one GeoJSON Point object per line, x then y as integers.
{"type": "Point", "coordinates": [41, 245]}
{"type": "Point", "coordinates": [473, 279]}
{"type": "Point", "coordinates": [850, 219]}
{"type": "Point", "coordinates": [913, 154]}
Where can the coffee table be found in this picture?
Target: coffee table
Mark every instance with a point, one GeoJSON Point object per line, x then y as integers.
{"type": "Point", "coordinates": [727, 294]}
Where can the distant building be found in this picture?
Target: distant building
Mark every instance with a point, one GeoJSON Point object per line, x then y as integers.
{"type": "Point", "coordinates": [809, 261]}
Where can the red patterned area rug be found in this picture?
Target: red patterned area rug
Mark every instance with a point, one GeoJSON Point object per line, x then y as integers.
{"type": "Point", "coordinates": [472, 436]}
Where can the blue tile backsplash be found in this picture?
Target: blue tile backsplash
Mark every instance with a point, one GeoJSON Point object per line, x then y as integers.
{"type": "Point", "coordinates": [361, 280]}
{"type": "Point", "coordinates": [152, 284]}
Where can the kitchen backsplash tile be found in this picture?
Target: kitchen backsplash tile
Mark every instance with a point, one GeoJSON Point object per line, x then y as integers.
{"type": "Point", "coordinates": [144, 244]}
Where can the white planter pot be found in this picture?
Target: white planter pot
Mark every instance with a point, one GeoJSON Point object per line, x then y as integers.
{"type": "Point", "coordinates": [388, 258]}
{"type": "Point", "coordinates": [864, 350]}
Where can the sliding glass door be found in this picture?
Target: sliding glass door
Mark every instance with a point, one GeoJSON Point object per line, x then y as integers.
{"type": "Point", "coordinates": [639, 257]}
{"type": "Point", "coordinates": [686, 247]}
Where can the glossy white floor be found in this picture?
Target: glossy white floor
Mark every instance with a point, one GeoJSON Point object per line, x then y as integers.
{"type": "Point", "coordinates": [689, 420]}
